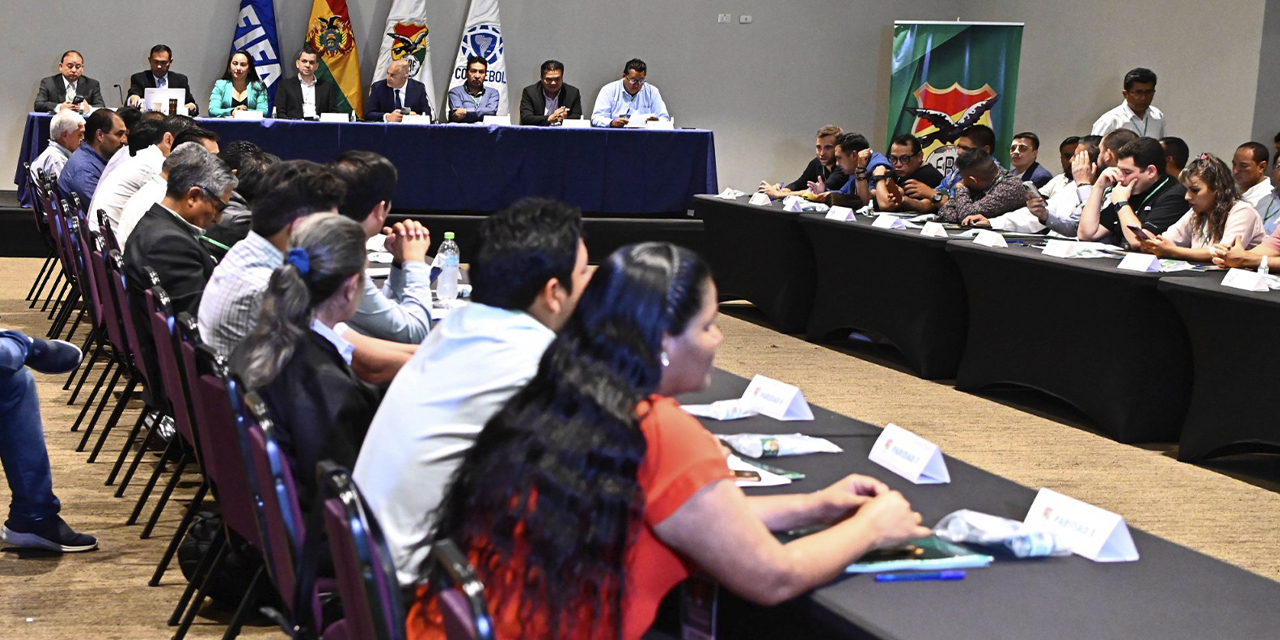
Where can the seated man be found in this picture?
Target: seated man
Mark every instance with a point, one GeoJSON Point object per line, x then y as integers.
{"type": "Point", "coordinates": [159, 77]}
{"type": "Point", "coordinates": [1022, 155]}
{"type": "Point", "coordinates": [69, 89]}
{"type": "Point", "coordinates": [150, 142]}
{"type": "Point", "coordinates": [389, 98]}
{"type": "Point", "coordinates": [1176, 154]}
{"type": "Point", "coordinates": [471, 101]}
{"type": "Point", "coordinates": [104, 135]}
{"type": "Point", "coordinates": [33, 509]}
{"type": "Point", "coordinates": [1249, 168]}
{"type": "Point", "coordinates": [978, 136]}
{"type": "Point", "coordinates": [986, 190]}
{"type": "Point", "coordinates": [1066, 151]}
{"type": "Point", "coordinates": [549, 101]}
{"type": "Point", "coordinates": [620, 100]}
{"type": "Point", "coordinates": [907, 158]}
{"type": "Point", "coordinates": [131, 116]}
{"type": "Point", "coordinates": [857, 160]}
{"type": "Point", "coordinates": [305, 97]}
{"type": "Point", "coordinates": [66, 132]}
{"type": "Point", "coordinates": [1135, 113]}
{"type": "Point", "coordinates": [1060, 213]}
{"type": "Point", "coordinates": [188, 141]}
{"type": "Point", "coordinates": [401, 311]}
{"type": "Point", "coordinates": [528, 272]}
{"type": "Point", "coordinates": [1141, 195]}
{"type": "Point", "coordinates": [822, 168]}
{"type": "Point", "coordinates": [250, 164]}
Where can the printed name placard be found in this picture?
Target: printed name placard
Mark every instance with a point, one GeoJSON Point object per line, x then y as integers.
{"type": "Point", "coordinates": [990, 239]}
{"type": "Point", "coordinates": [1246, 280]}
{"type": "Point", "coordinates": [1141, 262]}
{"type": "Point", "coordinates": [761, 199]}
{"type": "Point", "coordinates": [422, 118]}
{"type": "Point", "coordinates": [1060, 248]}
{"type": "Point", "coordinates": [910, 456]}
{"type": "Point", "coordinates": [777, 399]}
{"type": "Point", "coordinates": [934, 230]}
{"type": "Point", "coordinates": [501, 121]}
{"type": "Point", "coordinates": [335, 117]}
{"type": "Point", "coordinates": [843, 214]}
{"type": "Point", "coordinates": [1091, 532]}
{"type": "Point", "coordinates": [246, 114]}
{"type": "Point", "coordinates": [888, 222]}
{"type": "Point", "coordinates": [660, 125]}
{"type": "Point", "coordinates": [793, 204]}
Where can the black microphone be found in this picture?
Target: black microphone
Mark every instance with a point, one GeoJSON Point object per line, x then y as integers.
{"type": "Point", "coordinates": [121, 92]}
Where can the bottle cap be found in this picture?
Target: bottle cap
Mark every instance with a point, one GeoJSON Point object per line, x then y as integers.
{"type": "Point", "coordinates": [448, 235]}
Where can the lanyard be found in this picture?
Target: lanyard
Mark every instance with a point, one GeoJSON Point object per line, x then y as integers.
{"type": "Point", "coordinates": [1151, 194]}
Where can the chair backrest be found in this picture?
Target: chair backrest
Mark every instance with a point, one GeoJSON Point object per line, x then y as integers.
{"type": "Point", "coordinates": [115, 273]}
{"type": "Point", "coordinates": [460, 594]}
{"type": "Point", "coordinates": [107, 232]}
{"type": "Point", "coordinates": [171, 380]}
{"type": "Point", "coordinates": [78, 250]}
{"type": "Point", "coordinates": [279, 515]}
{"type": "Point", "coordinates": [366, 575]}
{"type": "Point", "coordinates": [34, 186]}
{"type": "Point", "coordinates": [111, 308]}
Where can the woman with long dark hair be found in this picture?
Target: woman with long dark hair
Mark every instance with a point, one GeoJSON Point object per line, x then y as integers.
{"type": "Point", "coordinates": [591, 493]}
{"type": "Point", "coordinates": [1217, 215]}
{"type": "Point", "coordinates": [296, 357]}
{"type": "Point", "coordinates": [239, 88]}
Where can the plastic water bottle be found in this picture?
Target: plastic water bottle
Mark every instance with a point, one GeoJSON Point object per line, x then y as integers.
{"type": "Point", "coordinates": [447, 283]}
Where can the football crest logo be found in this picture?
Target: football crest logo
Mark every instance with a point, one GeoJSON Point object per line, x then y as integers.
{"type": "Point", "coordinates": [944, 115]}
{"type": "Point", "coordinates": [484, 40]}
{"type": "Point", "coordinates": [410, 44]}
{"type": "Point", "coordinates": [331, 36]}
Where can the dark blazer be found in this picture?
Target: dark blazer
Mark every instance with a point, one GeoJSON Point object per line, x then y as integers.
{"type": "Point", "coordinates": [53, 92]}
{"type": "Point", "coordinates": [289, 98]}
{"type": "Point", "coordinates": [382, 101]}
{"type": "Point", "coordinates": [143, 80]}
{"type": "Point", "coordinates": [534, 102]}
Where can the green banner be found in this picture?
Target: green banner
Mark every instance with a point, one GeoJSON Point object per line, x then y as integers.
{"type": "Point", "coordinates": [949, 76]}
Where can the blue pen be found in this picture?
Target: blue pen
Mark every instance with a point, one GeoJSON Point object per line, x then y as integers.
{"type": "Point", "coordinates": [951, 574]}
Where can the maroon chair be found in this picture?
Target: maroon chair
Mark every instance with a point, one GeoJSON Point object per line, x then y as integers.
{"type": "Point", "coordinates": [120, 353]}
{"type": "Point", "coordinates": [34, 186]}
{"type": "Point", "coordinates": [460, 594]}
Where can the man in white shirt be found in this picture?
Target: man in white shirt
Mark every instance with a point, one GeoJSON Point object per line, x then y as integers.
{"type": "Point", "coordinates": [153, 190]}
{"type": "Point", "coordinates": [66, 132]}
{"type": "Point", "coordinates": [527, 273]}
{"type": "Point", "coordinates": [622, 100]}
{"type": "Point", "coordinates": [1066, 151]}
{"type": "Point", "coordinates": [1250, 169]}
{"type": "Point", "coordinates": [306, 96]}
{"type": "Point", "coordinates": [1135, 113]}
{"type": "Point", "coordinates": [150, 142]}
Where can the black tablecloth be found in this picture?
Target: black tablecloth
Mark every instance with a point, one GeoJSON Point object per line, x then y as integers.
{"type": "Point", "coordinates": [1171, 592]}
{"type": "Point", "coordinates": [1101, 339]}
{"type": "Point", "coordinates": [759, 254]}
{"type": "Point", "coordinates": [1233, 335]}
{"type": "Point", "coordinates": [485, 168]}
{"type": "Point", "coordinates": [896, 283]}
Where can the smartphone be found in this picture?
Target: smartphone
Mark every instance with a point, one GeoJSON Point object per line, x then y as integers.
{"type": "Point", "coordinates": [1140, 232]}
{"type": "Point", "coordinates": [77, 100]}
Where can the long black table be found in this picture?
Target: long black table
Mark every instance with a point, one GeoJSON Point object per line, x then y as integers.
{"type": "Point", "coordinates": [1101, 339]}
{"type": "Point", "coordinates": [1233, 335]}
{"type": "Point", "coordinates": [1171, 592]}
{"type": "Point", "coordinates": [759, 254]}
{"type": "Point", "coordinates": [476, 168]}
{"type": "Point", "coordinates": [895, 283]}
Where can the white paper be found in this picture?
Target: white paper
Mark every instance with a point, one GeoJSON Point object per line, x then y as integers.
{"type": "Point", "coordinates": [1141, 262]}
{"type": "Point", "coordinates": [761, 199]}
{"type": "Point", "coordinates": [722, 409]}
{"type": "Point", "coordinates": [730, 193]}
{"type": "Point", "coordinates": [638, 120]}
{"type": "Point", "coordinates": [934, 230]}
{"type": "Point", "coordinates": [1245, 280]}
{"type": "Point", "coordinates": [843, 214]}
{"type": "Point", "coordinates": [417, 118]}
{"type": "Point", "coordinates": [501, 121]}
{"type": "Point", "coordinates": [990, 239]}
{"type": "Point", "coordinates": [777, 399]}
{"type": "Point", "coordinates": [158, 100]}
{"type": "Point", "coordinates": [576, 124]}
{"type": "Point", "coordinates": [660, 125]}
{"type": "Point", "coordinates": [335, 117]}
{"type": "Point", "coordinates": [1091, 532]}
{"type": "Point", "coordinates": [246, 114]}
{"type": "Point", "coordinates": [767, 478]}
{"type": "Point", "coordinates": [910, 456]}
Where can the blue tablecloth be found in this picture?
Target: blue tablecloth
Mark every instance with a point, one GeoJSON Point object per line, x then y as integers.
{"type": "Point", "coordinates": [485, 168]}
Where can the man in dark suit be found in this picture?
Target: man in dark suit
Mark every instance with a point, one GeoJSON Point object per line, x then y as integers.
{"type": "Point", "coordinates": [167, 240]}
{"type": "Point", "coordinates": [59, 91]}
{"type": "Point", "coordinates": [550, 101]}
{"type": "Point", "coordinates": [293, 101]}
{"type": "Point", "coordinates": [398, 91]}
{"type": "Point", "coordinates": [159, 77]}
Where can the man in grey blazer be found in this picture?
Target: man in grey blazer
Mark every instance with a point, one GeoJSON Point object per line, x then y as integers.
{"type": "Point", "coordinates": [60, 91]}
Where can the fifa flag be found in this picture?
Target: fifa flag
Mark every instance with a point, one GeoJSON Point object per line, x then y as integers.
{"type": "Point", "coordinates": [329, 33]}
{"type": "Point", "coordinates": [256, 33]}
{"type": "Point", "coordinates": [405, 38]}
{"type": "Point", "coordinates": [949, 76]}
{"type": "Point", "coordinates": [482, 36]}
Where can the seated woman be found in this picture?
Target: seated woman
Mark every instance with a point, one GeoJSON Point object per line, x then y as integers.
{"type": "Point", "coordinates": [238, 89]}
{"type": "Point", "coordinates": [591, 493]}
{"type": "Point", "coordinates": [1217, 215]}
{"type": "Point", "coordinates": [296, 358]}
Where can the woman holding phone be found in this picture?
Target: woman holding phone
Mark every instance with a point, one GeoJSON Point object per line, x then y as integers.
{"type": "Point", "coordinates": [1217, 215]}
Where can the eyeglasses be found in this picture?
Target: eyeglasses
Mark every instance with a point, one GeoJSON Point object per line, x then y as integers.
{"type": "Point", "coordinates": [73, 65]}
{"type": "Point", "coordinates": [635, 82]}
{"type": "Point", "coordinates": [162, 63]}
{"type": "Point", "coordinates": [902, 159]}
{"type": "Point", "coordinates": [218, 203]}
{"type": "Point", "coordinates": [1023, 148]}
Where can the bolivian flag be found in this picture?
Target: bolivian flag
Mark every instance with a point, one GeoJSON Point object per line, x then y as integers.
{"type": "Point", "coordinates": [329, 32]}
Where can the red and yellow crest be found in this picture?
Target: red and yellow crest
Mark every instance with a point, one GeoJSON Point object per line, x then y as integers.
{"type": "Point", "coordinates": [331, 36]}
{"type": "Point", "coordinates": [945, 114]}
{"type": "Point", "coordinates": [409, 42]}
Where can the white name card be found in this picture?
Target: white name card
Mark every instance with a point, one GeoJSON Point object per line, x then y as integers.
{"type": "Point", "coordinates": [246, 114]}
{"type": "Point", "coordinates": [660, 125]}
{"type": "Point", "coordinates": [883, 221]}
{"type": "Point", "coordinates": [843, 214]}
{"type": "Point", "coordinates": [1246, 280]}
{"type": "Point", "coordinates": [990, 239]}
{"type": "Point", "coordinates": [777, 399]}
{"type": "Point", "coordinates": [501, 121]}
{"type": "Point", "coordinates": [910, 456]}
{"type": "Point", "coordinates": [793, 204]}
{"type": "Point", "coordinates": [1091, 532]}
{"type": "Point", "coordinates": [335, 117]}
{"type": "Point", "coordinates": [761, 199]}
{"type": "Point", "coordinates": [1060, 248]}
{"type": "Point", "coordinates": [934, 230]}
{"type": "Point", "coordinates": [576, 124]}
{"type": "Point", "coordinates": [1141, 262]}
{"type": "Point", "coordinates": [417, 118]}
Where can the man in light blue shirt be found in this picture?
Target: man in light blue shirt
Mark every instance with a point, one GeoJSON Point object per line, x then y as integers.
{"type": "Point", "coordinates": [104, 135]}
{"type": "Point", "coordinates": [471, 101]}
{"type": "Point", "coordinates": [620, 100]}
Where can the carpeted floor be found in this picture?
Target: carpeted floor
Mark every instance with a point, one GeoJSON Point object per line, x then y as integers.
{"type": "Point", "coordinates": [103, 594]}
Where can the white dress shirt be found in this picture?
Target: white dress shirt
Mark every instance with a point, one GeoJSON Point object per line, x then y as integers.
{"type": "Point", "coordinates": [1150, 125]}
{"type": "Point", "coordinates": [401, 310]}
{"type": "Point", "coordinates": [308, 97]}
{"type": "Point", "coordinates": [138, 205]}
{"type": "Point", "coordinates": [232, 299]}
{"type": "Point", "coordinates": [115, 189]}
{"type": "Point", "coordinates": [1263, 198]}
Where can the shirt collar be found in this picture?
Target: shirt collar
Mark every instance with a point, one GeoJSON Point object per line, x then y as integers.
{"type": "Point", "coordinates": [194, 230]}
{"type": "Point", "coordinates": [67, 83]}
{"type": "Point", "coordinates": [1258, 190]}
{"type": "Point", "coordinates": [66, 153]}
{"type": "Point", "coordinates": [304, 83]}
{"type": "Point", "coordinates": [334, 336]}
{"type": "Point", "coordinates": [261, 249]}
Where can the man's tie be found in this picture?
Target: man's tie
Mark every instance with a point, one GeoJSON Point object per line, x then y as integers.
{"type": "Point", "coordinates": [162, 83]}
{"type": "Point", "coordinates": [399, 105]}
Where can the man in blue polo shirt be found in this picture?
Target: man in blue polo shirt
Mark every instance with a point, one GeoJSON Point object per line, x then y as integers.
{"type": "Point", "coordinates": [104, 135]}
{"type": "Point", "coordinates": [861, 164]}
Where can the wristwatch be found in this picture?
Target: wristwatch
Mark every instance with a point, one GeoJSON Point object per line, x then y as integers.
{"type": "Point", "coordinates": [938, 195]}
{"type": "Point", "coordinates": [1122, 204]}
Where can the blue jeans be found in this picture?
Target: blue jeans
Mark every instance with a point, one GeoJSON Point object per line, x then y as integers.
{"type": "Point", "coordinates": [22, 449]}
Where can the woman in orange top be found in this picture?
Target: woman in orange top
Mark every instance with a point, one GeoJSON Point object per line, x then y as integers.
{"type": "Point", "coordinates": [592, 493]}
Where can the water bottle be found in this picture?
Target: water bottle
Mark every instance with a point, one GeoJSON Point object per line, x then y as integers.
{"type": "Point", "coordinates": [1033, 544]}
{"type": "Point", "coordinates": [447, 283]}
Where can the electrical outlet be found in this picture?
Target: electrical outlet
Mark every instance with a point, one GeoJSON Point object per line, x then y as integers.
{"type": "Point", "coordinates": [744, 19]}
{"type": "Point", "coordinates": [724, 18]}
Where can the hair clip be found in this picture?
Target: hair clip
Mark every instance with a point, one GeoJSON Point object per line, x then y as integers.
{"type": "Point", "coordinates": [300, 260]}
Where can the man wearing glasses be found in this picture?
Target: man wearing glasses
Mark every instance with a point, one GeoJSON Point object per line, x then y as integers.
{"type": "Point", "coordinates": [907, 159]}
{"type": "Point", "coordinates": [69, 88]}
{"type": "Point", "coordinates": [631, 97]}
{"type": "Point", "coordinates": [1022, 155]}
{"type": "Point", "coordinates": [159, 77]}
{"type": "Point", "coordinates": [1135, 113]}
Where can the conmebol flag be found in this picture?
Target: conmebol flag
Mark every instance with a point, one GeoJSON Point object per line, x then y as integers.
{"type": "Point", "coordinates": [483, 37]}
{"type": "Point", "coordinates": [329, 32]}
{"type": "Point", "coordinates": [256, 33]}
{"type": "Point", "coordinates": [405, 38]}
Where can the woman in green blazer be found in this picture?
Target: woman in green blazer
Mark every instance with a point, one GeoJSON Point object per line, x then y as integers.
{"type": "Point", "coordinates": [239, 89]}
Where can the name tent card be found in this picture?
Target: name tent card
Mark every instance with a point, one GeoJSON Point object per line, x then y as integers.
{"type": "Point", "coordinates": [500, 121]}
{"type": "Point", "coordinates": [1060, 248]}
{"type": "Point", "coordinates": [417, 118]}
{"type": "Point", "coordinates": [1141, 262]}
{"type": "Point", "coordinates": [1091, 532]}
{"type": "Point", "coordinates": [335, 117]}
{"type": "Point", "coordinates": [888, 222]}
{"type": "Point", "coordinates": [1245, 280]}
{"type": "Point", "coordinates": [660, 125]}
{"type": "Point", "coordinates": [843, 214]}
{"type": "Point", "coordinates": [761, 199]}
{"type": "Point", "coordinates": [934, 230]}
{"type": "Point", "coordinates": [576, 124]}
{"type": "Point", "coordinates": [793, 204]}
{"type": "Point", "coordinates": [246, 114]}
{"type": "Point", "coordinates": [777, 399]}
{"type": "Point", "coordinates": [990, 239]}
{"type": "Point", "coordinates": [910, 456]}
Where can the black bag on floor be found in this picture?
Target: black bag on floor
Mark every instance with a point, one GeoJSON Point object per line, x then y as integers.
{"type": "Point", "coordinates": [237, 569]}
